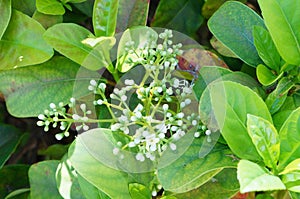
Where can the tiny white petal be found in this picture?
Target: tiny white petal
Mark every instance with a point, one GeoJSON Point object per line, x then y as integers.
{"type": "Point", "coordinates": [75, 117]}
{"type": "Point", "coordinates": [52, 105]}
{"type": "Point", "coordinates": [165, 107]}
{"type": "Point", "coordinates": [93, 82]}
{"type": "Point", "coordinates": [196, 134]}
{"type": "Point", "coordinates": [59, 136]}
{"type": "Point", "coordinates": [41, 117]}
{"type": "Point", "coordinates": [208, 132]}
{"type": "Point", "coordinates": [83, 107]}
{"type": "Point", "coordinates": [40, 123]}
{"type": "Point", "coordinates": [116, 151]}
{"type": "Point", "coordinates": [173, 146]}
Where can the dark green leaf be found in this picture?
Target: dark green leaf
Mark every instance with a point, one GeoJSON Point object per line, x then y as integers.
{"type": "Point", "coordinates": [181, 15]}
{"type": "Point", "coordinates": [253, 177]}
{"type": "Point", "coordinates": [19, 46]}
{"type": "Point", "coordinates": [69, 43]}
{"type": "Point", "coordinates": [30, 90]}
{"type": "Point", "coordinates": [265, 75]}
{"type": "Point", "coordinates": [5, 10]}
{"type": "Point", "coordinates": [277, 98]}
{"type": "Point", "coordinates": [266, 48]}
{"type": "Point", "coordinates": [282, 19]}
{"type": "Point", "coordinates": [294, 195]}
{"type": "Point", "coordinates": [192, 170]}
{"type": "Point", "coordinates": [42, 180]}
{"type": "Point", "coordinates": [19, 194]}
{"type": "Point", "coordinates": [232, 25]}
{"type": "Point", "coordinates": [139, 191]}
{"type": "Point", "coordinates": [50, 7]}
{"type": "Point", "coordinates": [290, 139]}
{"type": "Point", "coordinates": [55, 151]}
{"type": "Point", "coordinates": [13, 177]}
{"type": "Point", "coordinates": [228, 105]}
{"type": "Point", "coordinates": [25, 6]}
{"type": "Point", "coordinates": [10, 138]}
{"type": "Point", "coordinates": [105, 17]}
{"type": "Point", "coordinates": [47, 20]}
{"type": "Point", "coordinates": [86, 7]}
{"type": "Point", "coordinates": [265, 138]}
{"type": "Point", "coordinates": [89, 190]}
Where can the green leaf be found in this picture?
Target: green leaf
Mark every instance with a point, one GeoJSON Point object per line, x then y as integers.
{"type": "Point", "coordinates": [265, 138]}
{"type": "Point", "coordinates": [138, 35]}
{"type": "Point", "coordinates": [221, 48]}
{"type": "Point", "coordinates": [54, 151]}
{"type": "Point", "coordinates": [290, 139]}
{"type": "Point", "coordinates": [132, 13]}
{"type": "Point", "coordinates": [294, 195]}
{"type": "Point", "coordinates": [42, 180]}
{"type": "Point", "coordinates": [25, 6]}
{"type": "Point", "coordinates": [10, 138]}
{"type": "Point", "coordinates": [112, 182]}
{"type": "Point", "coordinates": [105, 17]}
{"type": "Point", "coordinates": [228, 105]}
{"type": "Point", "coordinates": [69, 43]}
{"type": "Point", "coordinates": [30, 90]}
{"type": "Point", "coordinates": [277, 98]}
{"type": "Point", "coordinates": [13, 177]}
{"type": "Point", "coordinates": [266, 48]}
{"type": "Point", "coordinates": [85, 7]}
{"type": "Point", "coordinates": [192, 170]}
{"type": "Point", "coordinates": [253, 177]}
{"type": "Point", "coordinates": [232, 25]}
{"type": "Point", "coordinates": [293, 166]}
{"type": "Point", "coordinates": [282, 19]}
{"type": "Point", "coordinates": [139, 191]}
{"type": "Point", "coordinates": [19, 47]}
{"type": "Point", "coordinates": [183, 15]}
{"type": "Point", "coordinates": [265, 75]}
{"type": "Point", "coordinates": [50, 7]}
{"type": "Point", "coordinates": [222, 186]}
{"type": "Point", "coordinates": [19, 194]}
{"type": "Point", "coordinates": [47, 20]}
{"type": "Point", "coordinates": [292, 181]}
{"type": "Point", "coordinates": [89, 190]}
{"type": "Point", "coordinates": [5, 10]}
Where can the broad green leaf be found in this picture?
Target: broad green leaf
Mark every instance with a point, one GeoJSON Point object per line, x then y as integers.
{"type": "Point", "coordinates": [277, 98]}
{"type": "Point", "coordinates": [228, 105]}
{"type": "Point", "coordinates": [293, 166]}
{"type": "Point", "coordinates": [112, 182]}
{"type": "Point", "coordinates": [290, 139]}
{"type": "Point", "coordinates": [292, 181]}
{"type": "Point", "coordinates": [47, 20]}
{"type": "Point", "coordinates": [265, 138]}
{"type": "Point", "coordinates": [141, 36]}
{"type": "Point", "coordinates": [183, 16]}
{"type": "Point", "coordinates": [282, 18]}
{"type": "Point", "coordinates": [139, 191]}
{"type": "Point", "coordinates": [89, 190]}
{"type": "Point", "coordinates": [19, 46]}
{"type": "Point", "coordinates": [50, 7]}
{"type": "Point", "coordinates": [132, 13]}
{"type": "Point", "coordinates": [42, 180]}
{"type": "Point", "coordinates": [221, 186]}
{"type": "Point", "coordinates": [72, 1]}
{"type": "Point", "coordinates": [232, 25]}
{"type": "Point", "coordinates": [5, 10]}
{"type": "Point", "coordinates": [265, 75]}
{"type": "Point", "coordinates": [266, 48]}
{"type": "Point", "coordinates": [294, 195]}
{"type": "Point", "coordinates": [30, 90]}
{"type": "Point", "coordinates": [221, 48]}
{"type": "Point", "coordinates": [10, 138]}
{"type": "Point", "coordinates": [105, 17]}
{"type": "Point", "coordinates": [69, 43]}
{"type": "Point", "coordinates": [13, 177]}
{"type": "Point", "coordinates": [54, 151]}
{"type": "Point", "coordinates": [67, 182]}
{"type": "Point", "coordinates": [25, 6]}
{"type": "Point", "coordinates": [253, 177]}
{"type": "Point", "coordinates": [85, 7]}
{"type": "Point", "coordinates": [192, 170]}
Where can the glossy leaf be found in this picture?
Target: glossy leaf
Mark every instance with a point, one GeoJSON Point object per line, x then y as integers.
{"type": "Point", "coordinates": [13, 177]}
{"type": "Point", "coordinates": [265, 138]}
{"type": "Point", "coordinates": [232, 25]}
{"type": "Point", "coordinates": [26, 6]}
{"type": "Point", "coordinates": [265, 75]}
{"type": "Point", "coordinates": [50, 7]}
{"type": "Point", "coordinates": [113, 182]}
{"type": "Point", "coordinates": [277, 98]}
{"type": "Point", "coordinates": [10, 138]}
{"type": "Point", "coordinates": [290, 139]}
{"type": "Point", "coordinates": [19, 47]}
{"type": "Point", "coordinates": [266, 48]}
{"type": "Point", "coordinates": [294, 195]}
{"type": "Point", "coordinates": [19, 194]}
{"type": "Point", "coordinates": [85, 7]}
{"type": "Point", "coordinates": [228, 105]}
{"type": "Point", "coordinates": [192, 170]}
{"type": "Point", "coordinates": [139, 191]}
{"type": "Point", "coordinates": [105, 17]}
{"type": "Point", "coordinates": [5, 10]}
{"type": "Point", "coordinates": [132, 13]}
{"type": "Point", "coordinates": [292, 181]}
{"type": "Point", "coordinates": [253, 177]}
{"type": "Point", "coordinates": [69, 43]}
{"type": "Point", "coordinates": [282, 19]}
{"type": "Point", "coordinates": [47, 20]}
{"type": "Point", "coordinates": [293, 166]}
{"type": "Point", "coordinates": [89, 190]}
{"type": "Point", "coordinates": [221, 48]}
{"type": "Point", "coordinates": [38, 86]}
{"type": "Point", "coordinates": [183, 16]}
{"type": "Point", "coordinates": [42, 180]}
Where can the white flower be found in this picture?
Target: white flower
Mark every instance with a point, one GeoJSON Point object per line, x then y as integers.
{"type": "Point", "coordinates": [140, 157]}
{"type": "Point", "coordinates": [75, 117]}
{"type": "Point", "coordinates": [165, 107]}
{"type": "Point", "coordinates": [40, 123]}
{"type": "Point", "coordinates": [173, 146]}
{"type": "Point", "coordinates": [41, 117]}
{"type": "Point", "coordinates": [115, 126]}
{"type": "Point", "coordinates": [52, 105]}
{"type": "Point", "coordinates": [151, 141]}
{"type": "Point", "coordinates": [116, 151]}
{"type": "Point", "coordinates": [180, 115]}
{"type": "Point", "coordinates": [208, 132]}
{"type": "Point", "coordinates": [129, 82]}
{"type": "Point", "coordinates": [196, 134]}
{"type": "Point", "coordinates": [59, 136]}
{"type": "Point", "coordinates": [83, 107]}
{"type": "Point", "coordinates": [93, 82]}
